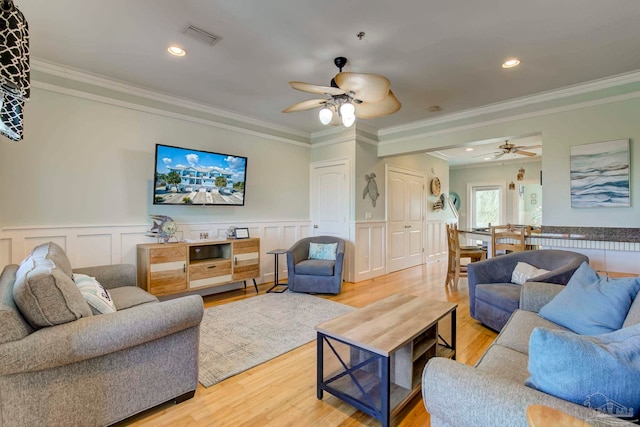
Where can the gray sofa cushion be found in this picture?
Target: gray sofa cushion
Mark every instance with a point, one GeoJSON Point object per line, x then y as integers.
{"type": "Point", "coordinates": [503, 295]}
{"type": "Point", "coordinates": [515, 334]}
{"type": "Point", "coordinates": [12, 324]}
{"type": "Point", "coordinates": [130, 296]}
{"type": "Point", "coordinates": [56, 254]}
{"type": "Point", "coordinates": [315, 267]}
{"type": "Point", "coordinates": [46, 295]}
{"type": "Point", "coordinates": [494, 302]}
{"type": "Point", "coordinates": [504, 362]}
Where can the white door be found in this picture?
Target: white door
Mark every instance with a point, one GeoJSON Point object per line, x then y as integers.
{"type": "Point", "coordinates": [330, 199]}
{"type": "Point", "coordinates": [405, 218]}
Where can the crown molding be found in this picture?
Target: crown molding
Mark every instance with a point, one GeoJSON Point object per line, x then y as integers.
{"type": "Point", "coordinates": [133, 106]}
{"type": "Point", "coordinates": [334, 135]}
{"type": "Point", "coordinates": [578, 89]}
{"type": "Point", "coordinates": [126, 88]}
{"type": "Point", "coordinates": [505, 119]}
{"type": "Point", "coordinates": [438, 155]}
{"type": "Point", "coordinates": [488, 163]}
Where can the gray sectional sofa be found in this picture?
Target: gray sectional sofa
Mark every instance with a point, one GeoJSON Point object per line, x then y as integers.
{"type": "Point", "coordinates": [63, 365]}
{"type": "Point", "coordinates": [493, 393]}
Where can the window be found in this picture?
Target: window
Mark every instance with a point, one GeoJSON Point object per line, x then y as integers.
{"type": "Point", "coordinates": [487, 204]}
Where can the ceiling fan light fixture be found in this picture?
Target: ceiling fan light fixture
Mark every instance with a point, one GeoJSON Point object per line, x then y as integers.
{"type": "Point", "coordinates": [347, 109]}
{"type": "Point", "coordinates": [325, 115]}
{"type": "Point", "coordinates": [347, 121]}
{"type": "Point", "coordinates": [348, 114]}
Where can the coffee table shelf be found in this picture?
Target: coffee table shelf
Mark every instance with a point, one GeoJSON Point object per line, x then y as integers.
{"type": "Point", "coordinates": [372, 358]}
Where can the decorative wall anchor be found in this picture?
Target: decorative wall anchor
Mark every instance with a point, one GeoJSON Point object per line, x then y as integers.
{"type": "Point", "coordinates": [441, 203]}
{"type": "Point", "coordinates": [164, 228]}
{"type": "Point", "coordinates": [371, 188]}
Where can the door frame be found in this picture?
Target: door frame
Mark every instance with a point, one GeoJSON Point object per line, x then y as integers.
{"type": "Point", "coordinates": [407, 171]}
{"type": "Point", "coordinates": [503, 200]}
{"type": "Point", "coordinates": [350, 203]}
{"type": "Point", "coordinates": [341, 161]}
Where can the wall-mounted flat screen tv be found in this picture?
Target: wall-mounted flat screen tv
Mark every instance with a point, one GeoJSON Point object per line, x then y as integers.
{"type": "Point", "coordinates": [185, 176]}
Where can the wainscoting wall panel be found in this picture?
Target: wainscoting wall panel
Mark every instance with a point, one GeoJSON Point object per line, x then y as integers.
{"type": "Point", "coordinates": [436, 240]}
{"type": "Point", "coordinates": [115, 244]}
{"type": "Point", "coordinates": [370, 250]}
{"type": "Point", "coordinates": [95, 247]}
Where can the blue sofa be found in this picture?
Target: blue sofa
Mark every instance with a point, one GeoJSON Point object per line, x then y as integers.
{"type": "Point", "coordinates": [492, 296]}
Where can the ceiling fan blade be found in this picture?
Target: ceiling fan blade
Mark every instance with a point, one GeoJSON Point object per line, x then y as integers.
{"type": "Point", "coordinates": [321, 90]}
{"type": "Point", "coordinates": [371, 110]}
{"type": "Point", "coordinates": [305, 105]}
{"type": "Point", "coordinates": [365, 87]}
{"type": "Point", "coordinates": [525, 153]}
{"type": "Point", "coordinates": [526, 147]}
{"type": "Point", "coordinates": [495, 153]}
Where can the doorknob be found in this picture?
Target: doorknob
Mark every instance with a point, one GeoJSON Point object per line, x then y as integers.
{"type": "Point", "coordinates": [315, 225]}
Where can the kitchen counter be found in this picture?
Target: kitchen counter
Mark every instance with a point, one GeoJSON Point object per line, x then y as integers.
{"type": "Point", "coordinates": [610, 238]}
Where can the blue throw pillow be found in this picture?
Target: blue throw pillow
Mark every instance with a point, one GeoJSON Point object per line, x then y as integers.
{"type": "Point", "coordinates": [591, 304]}
{"type": "Point", "coordinates": [601, 372]}
{"type": "Point", "coordinates": [323, 251]}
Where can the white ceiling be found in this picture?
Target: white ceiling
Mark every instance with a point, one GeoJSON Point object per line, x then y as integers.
{"type": "Point", "coordinates": [445, 53]}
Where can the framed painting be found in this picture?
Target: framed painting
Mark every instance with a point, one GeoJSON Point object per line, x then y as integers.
{"type": "Point", "coordinates": [600, 174]}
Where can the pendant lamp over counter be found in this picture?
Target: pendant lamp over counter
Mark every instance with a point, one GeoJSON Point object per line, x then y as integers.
{"type": "Point", "coordinates": [15, 87]}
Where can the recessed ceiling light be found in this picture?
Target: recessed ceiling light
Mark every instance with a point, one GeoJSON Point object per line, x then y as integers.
{"type": "Point", "coordinates": [487, 158]}
{"type": "Point", "coordinates": [468, 149]}
{"type": "Point", "coordinates": [510, 63]}
{"type": "Point", "coordinates": [176, 51]}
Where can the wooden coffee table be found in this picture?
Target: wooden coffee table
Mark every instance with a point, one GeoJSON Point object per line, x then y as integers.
{"type": "Point", "coordinates": [373, 357]}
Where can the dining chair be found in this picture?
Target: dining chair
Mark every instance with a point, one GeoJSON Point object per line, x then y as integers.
{"type": "Point", "coordinates": [455, 252]}
{"type": "Point", "coordinates": [508, 238]}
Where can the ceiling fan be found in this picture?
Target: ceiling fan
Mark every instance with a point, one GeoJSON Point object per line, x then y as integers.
{"type": "Point", "coordinates": [350, 95]}
{"type": "Point", "coordinates": [508, 148]}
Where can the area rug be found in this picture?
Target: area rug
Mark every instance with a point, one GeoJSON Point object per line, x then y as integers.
{"type": "Point", "coordinates": [237, 336]}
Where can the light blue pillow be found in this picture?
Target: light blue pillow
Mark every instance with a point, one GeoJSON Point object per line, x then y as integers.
{"type": "Point", "coordinates": [323, 250]}
{"type": "Point", "coordinates": [601, 372]}
{"type": "Point", "coordinates": [591, 304]}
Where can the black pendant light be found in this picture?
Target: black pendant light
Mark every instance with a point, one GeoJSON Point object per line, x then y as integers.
{"type": "Point", "coordinates": [14, 69]}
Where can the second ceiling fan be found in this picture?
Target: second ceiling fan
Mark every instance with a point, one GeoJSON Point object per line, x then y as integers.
{"type": "Point", "coordinates": [508, 148]}
{"type": "Point", "coordinates": [350, 95]}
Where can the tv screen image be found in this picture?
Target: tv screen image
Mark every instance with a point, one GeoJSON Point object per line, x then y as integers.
{"type": "Point", "coordinates": [185, 176]}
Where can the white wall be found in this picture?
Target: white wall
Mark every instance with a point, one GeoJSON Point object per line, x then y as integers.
{"type": "Point", "coordinates": [84, 162]}
{"type": "Point", "coordinates": [83, 177]}
{"type": "Point", "coordinates": [593, 121]}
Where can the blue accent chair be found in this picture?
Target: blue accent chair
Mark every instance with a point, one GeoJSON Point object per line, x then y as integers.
{"type": "Point", "coordinates": [316, 276]}
{"type": "Point", "coordinates": [492, 296]}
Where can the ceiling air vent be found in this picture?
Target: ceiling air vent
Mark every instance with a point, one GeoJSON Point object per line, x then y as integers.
{"type": "Point", "coordinates": [202, 35]}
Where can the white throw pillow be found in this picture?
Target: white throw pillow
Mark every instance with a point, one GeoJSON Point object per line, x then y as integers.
{"type": "Point", "coordinates": [524, 272]}
{"type": "Point", "coordinates": [94, 293]}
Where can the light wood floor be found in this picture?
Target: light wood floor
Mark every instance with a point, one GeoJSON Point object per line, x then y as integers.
{"type": "Point", "coordinates": [282, 392]}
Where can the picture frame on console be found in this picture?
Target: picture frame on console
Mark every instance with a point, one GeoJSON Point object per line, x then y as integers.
{"type": "Point", "coordinates": [241, 233]}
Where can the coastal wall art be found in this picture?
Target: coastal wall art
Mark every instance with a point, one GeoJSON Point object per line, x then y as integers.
{"type": "Point", "coordinates": [600, 174]}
